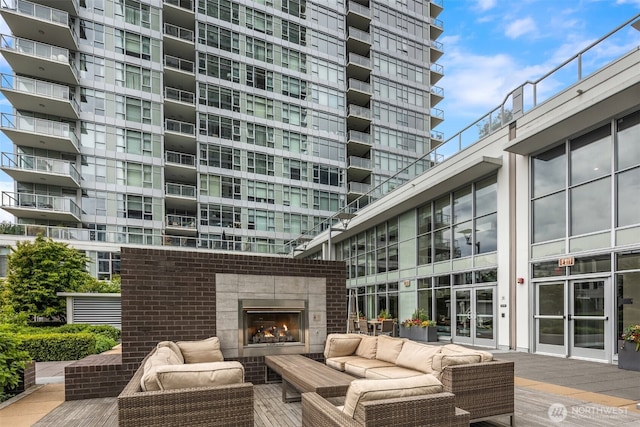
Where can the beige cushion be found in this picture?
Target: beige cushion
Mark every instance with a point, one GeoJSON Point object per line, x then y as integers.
{"type": "Point", "coordinates": [367, 347]}
{"type": "Point", "coordinates": [391, 372]}
{"type": "Point", "coordinates": [441, 361]}
{"type": "Point", "coordinates": [417, 356]}
{"type": "Point", "coordinates": [455, 348]}
{"type": "Point", "coordinates": [161, 357]}
{"type": "Point", "coordinates": [338, 362]}
{"type": "Point", "coordinates": [201, 351]}
{"type": "Point", "coordinates": [367, 390]}
{"type": "Point", "coordinates": [388, 348]}
{"type": "Point", "coordinates": [173, 346]}
{"type": "Point", "coordinates": [341, 345]}
{"type": "Point", "coordinates": [171, 377]}
{"type": "Point", "coordinates": [358, 367]}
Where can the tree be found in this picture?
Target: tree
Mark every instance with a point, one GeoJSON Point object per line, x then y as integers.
{"type": "Point", "coordinates": [37, 271]}
{"type": "Point", "coordinates": [486, 127]}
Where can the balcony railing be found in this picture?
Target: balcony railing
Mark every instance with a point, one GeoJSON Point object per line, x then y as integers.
{"type": "Point", "coordinates": [359, 188]}
{"type": "Point", "coordinates": [359, 162]}
{"type": "Point", "coordinates": [38, 88]}
{"type": "Point", "coordinates": [356, 110]}
{"type": "Point", "coordinates": [37, 50]}
{"type": "Point", "coordinates": [179, 63]}
{"type": "Point", "coordinates": [359, 85]}
{"type": "Point", "coordinates": [180, 158]}
{"type": "Point", "coordinates": [359, 9]}
{"type": "Point", "coordinates": [180, 95]}
{"type": "Point", "coordinates": [181, 221]}
{"type": "Point", "coordinates": [437, 90]}
{"type": "Point", "coordinates": [180, 127]}
{"type": "Point", "coordinates": [36, 125]}
{"type": "Point", "coordinates": [361, 137]}
{"type": "Point", "coordinates": [184, 4]}
{"type": "Point", "coordinates": [179, 32]}
{"type": "Point", "coordinates": [39, 11]}
{"type": "Point", "coordinates": [359, 60]}
{"type": "Point", "coordinates": [437, 68]}
{"type": "Point", "coordinates": [180, 190]}
{"type": "Point", "coordinates": [41, 164]}
{"type": "Point", "coordinates": [360, 35]}
{"type": "Point", "coordinates": [40, 202]}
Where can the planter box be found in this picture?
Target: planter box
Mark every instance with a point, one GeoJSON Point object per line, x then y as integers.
{"type": "Point", "coordinates": [628, 357]}
{"type": "Point", "coordinates": [416, 333]}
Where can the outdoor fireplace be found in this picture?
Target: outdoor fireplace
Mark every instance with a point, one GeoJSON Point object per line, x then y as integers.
{"type": "Point", "coordinates": [272, 327]}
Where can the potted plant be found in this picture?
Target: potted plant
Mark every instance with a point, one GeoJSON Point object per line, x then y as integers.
{"type": "Point", "coordinates": [384, 315]}
{"type": "Point", "coordinates": [419, 327]}
{"type": "Point", "coordinates": [629, 348]}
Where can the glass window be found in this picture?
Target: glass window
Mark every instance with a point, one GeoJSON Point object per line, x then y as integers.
{"type": "Point", "coordinates": [628, 150]}
{"type": "Point", "coordinates": [548, 171]}
{"type": "Point", "coordinates": [462, 205]}
{"type": "Point", "coordinates": [442, 212]}
{"type": "Point", "coordinates": [424, 219]}
{"type": "Point", "coordinates": [486, 196]}
{"type": "Point", "coordinates": [593, 264]}
{"type": "Point", "coordinates": [547, 269]}
{"type": "Point", "coordinates": [591, 156]}
{"type": "Point", "coordinates": [486, 234]}
{"type": "Point", "coordinates": [549, 217]}
{"type": "Point", "coordinates": [628, 184]}
{"type": "Point", "coordinates": [590, 207]}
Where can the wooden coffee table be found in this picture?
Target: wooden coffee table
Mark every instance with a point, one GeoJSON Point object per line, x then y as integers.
{"type": "Point", "coordinates": [302, 374]}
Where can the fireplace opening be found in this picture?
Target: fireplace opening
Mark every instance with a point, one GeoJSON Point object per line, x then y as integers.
{"type": "Point", "coordinates": [272, 327]}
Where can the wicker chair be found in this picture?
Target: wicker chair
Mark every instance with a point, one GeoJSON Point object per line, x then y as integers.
{"type": "Point", "coordinates": [433, 410]}
{"type": "Point", "coordinates": [206, 406]}
{"type": "Point", "coordinates": [364, 326]}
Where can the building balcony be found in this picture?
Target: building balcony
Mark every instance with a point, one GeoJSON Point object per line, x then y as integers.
{"type": "Point", "coordinates": [27, 131]}
{"type": "Point", "coordinates": [180, 167]}
{"type": "Point", "coordinates": [358, 143]}
{"type": "Point", "coordinates": [40, 23]}
{"type": "Point", "coordinates": [358, 15]}
{"type": "Point", "coordinates": [34, 169]}
{"type": "Point", "coordinates": [179, 72]}
{"type": "Point", "coordinates": [179, 136]}
{"type": "Point", "coordinates": [436, 95]}
{"type": "Point", "coordinates": [69, 6]}
{"type": "Point", "coordinates": [435, 8]}
{"type": "Point", "coordinates": [436, 28]}
{"type": "Point", "coordinates": [179, 103]}
{"type": "Point", "coordinates": [39, 96]}
{"type": "Point", "coordinates": [358, 188]}
{"type": "Point", "coordinates": [32, 58]}
{"type": "Point", "coordinates": [437, 117]}
{"type": "Point", "coordinates": [41, 207]}
{"type": "Point", "coordinates": [358, 66]}
{"type": "Point", "coordinates": [178, 40]}
{"type": "Point", "coordinates": [436, 51]}
{"type": "Point", "coordinates": [358, 118]}
{"type": "Point", "coordinates": [181, 196]}
{"type": "Point", "coordinates": [181, 224]}
{"type": "Point", "coordinates": [358, 41]}
{"type": "Point", "coordinates": [436, 72]}
{"type": "Point", "coordinates": [358, 168]}
{"type": "Point", "coordinates": [179, 12]}
{"type": "Point", "coordinates": [358, 92]}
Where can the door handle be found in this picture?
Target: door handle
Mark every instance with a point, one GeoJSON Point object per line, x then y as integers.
{"type": "Point", "coordinates": [569, 317]}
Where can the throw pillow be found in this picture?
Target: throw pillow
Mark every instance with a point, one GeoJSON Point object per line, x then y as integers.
{"type": "Point", "coordinates": [201, 351]}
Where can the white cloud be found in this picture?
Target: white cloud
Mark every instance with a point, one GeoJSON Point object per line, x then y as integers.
{"type": "Point", "coordinates": [631, 2]}
{"type": "Point", "coordinates": [485, 5]}
{"type": "Point", "coordinates": [520, 27]}
{"type": "Point", "coordinates": [6, 216]}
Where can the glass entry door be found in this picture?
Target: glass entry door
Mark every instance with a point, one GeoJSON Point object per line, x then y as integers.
{"type": "Point", "coordinates": [475, 316]}
{"type": "Point", "coordinates": [572, 318]}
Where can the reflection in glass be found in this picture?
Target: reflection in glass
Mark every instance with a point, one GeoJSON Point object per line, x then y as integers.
{"type": "Point", "coordinates": [462, 205]}
{"type": "Point", "coordinates": [463, 313]}
{"type": "Point", "coordinates": [549, 171]}
{"type": "Point", "coordinates": [628, 200]}
{"type": "Point", "coordinates": [551, 299]}
{"type": "Point", "coordinates": [484, 313]}
{"type": "Point", "coordinates": [591, 207]}
{"type": "Point", "coordinates": [486, 196]}
{"type": "Point", "coordinates": [628, 150]}
{"type": "Point", "coordinates": [486, 237]}
{"type": "Point", "coordinates": [442, 243]}
{"type": "Point", "coordinates": [462, 240]}
{"type": "Point", "coordinates": [551, 331]}
{"type": "Point", "coordinates": [591, 156]}
{"type": "Point", "coordinates": [588, 300]}
{"type": "Point", "coordinates": [443, 311]}
{"type": "Point", "coordinates": [424, 301]}
{"type": "Point", "coordinates": [549, 217]}
{"type": "Point", "coordinates": [424, 249]}
{"type": "Point", "coordinates": [443, 212]}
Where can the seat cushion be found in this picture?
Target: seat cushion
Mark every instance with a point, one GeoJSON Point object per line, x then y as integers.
{"type": "Point", "coordinates": [417, 356]}
{"type": "Point", "coordinates": [174, 347]}
{"type": "Point", "coordinates": [202, 351]}
{"type": "Point", "coordinates": [171, 377]}
{"type": "Point", "coordinates": [358, 367]}
{"type": "Point", "coordinates": [388, 348]}
{"type": "Point", "coordinates": [368, 390]}
{"type": "Point", "coordinates": [391, 372]}
{"type": "Point", "coordinates": [338, 362]}
{"type": "Point", "coordinates": [367, 347]}
{"type": "Point", "coordinates": [338, 345]}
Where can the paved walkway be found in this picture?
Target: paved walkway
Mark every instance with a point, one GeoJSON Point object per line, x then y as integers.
{"type": "Point", "coordinates": [598, 383]}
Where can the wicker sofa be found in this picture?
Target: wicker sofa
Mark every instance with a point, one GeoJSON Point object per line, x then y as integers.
{"type": "Point", "coordinates": [193, 392]}
{"type": "Point", "coordinates": [480, 384]}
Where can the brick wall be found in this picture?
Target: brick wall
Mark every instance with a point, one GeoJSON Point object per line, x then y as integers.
{"type": "Point", "coordinates": [171, 295]}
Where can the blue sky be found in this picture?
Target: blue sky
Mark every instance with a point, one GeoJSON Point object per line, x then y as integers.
{"type": "Point", "coordinates": [490, 48]}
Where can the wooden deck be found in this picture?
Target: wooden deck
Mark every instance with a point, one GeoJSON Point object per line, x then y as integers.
{"type": "Point", "coordinates": [532, 409]}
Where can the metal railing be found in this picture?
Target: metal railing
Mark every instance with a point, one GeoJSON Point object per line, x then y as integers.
{"type": "Point", "coordinates": [36, 125]}
{"type": "Point", "coordinates": [180, 158]}
{"type": "Point", "coordinates": [179, 32]}
{"type": "Point", "coordinates": [180, 127]}
{"type": "Point", "coordinates": [356, 110]}
{"type": "Point", "coordinates": [38, 50]}
{"type": "Point", "coordinates": [181, 221]}
{"type": "Point", "coordinates": [179, 63]}
{"type": "Point", "coordinates": [40, 202]}
{"type": "Point", "coordinates": [359, 188]}
{"type": "Point", "coordinates": [361, 137]}
{"type": "Point", "coordinates": [359, 162]}
{"type": "Point", "coordinates": [360, 86]}
{"type": "Point", "coordinates": [180, 95]}
{"type": "Point", "coordinates": [39, 11]}
{"type": "Point", "coordinates": [359, 9]}
{"type": "Point", "coordinates": [359, 34]}
{"type": "Point", "coordinates": [181, 190]}
{"type": "Point", "coordinates": [40, 164]}
{"type": "Point", "coordinates": [39, 88]}
{"type": "Point", "coordinates": [184, 4]}
{"type": "Point", "coordinates": [360, 60]}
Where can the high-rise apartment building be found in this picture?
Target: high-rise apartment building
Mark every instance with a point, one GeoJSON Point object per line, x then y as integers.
{"type": "Point", "coordinates": [212, 123]}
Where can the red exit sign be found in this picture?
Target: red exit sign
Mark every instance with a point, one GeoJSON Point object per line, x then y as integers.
{"type": "Point", "coordinates": [566, 262]}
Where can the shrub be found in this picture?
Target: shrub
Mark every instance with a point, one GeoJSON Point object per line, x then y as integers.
{"type": "Point", "coordinates": [104, 343]}
{"type": "Point", "coordinates": [105, 330]}
{"type": "Point", "coordinates": [49, 347]}
{"type": "Point", "coordinates": [13, 361]}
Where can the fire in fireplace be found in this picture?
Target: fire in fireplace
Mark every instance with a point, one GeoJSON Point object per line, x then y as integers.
{"type": "Point", "coordinates": [272, 327]}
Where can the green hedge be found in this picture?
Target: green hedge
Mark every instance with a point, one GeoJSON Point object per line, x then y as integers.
{"type": "Point", "coordinates": [105, 330]}
{"type": "Point", "coordinates": [49, 347]}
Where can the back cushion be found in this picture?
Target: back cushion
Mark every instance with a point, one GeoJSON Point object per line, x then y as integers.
{"type": "Point", "coordinates": [441, 361]}
{"type": "Point", "coordinates": [388, 348]}
{"type": "Point", "coordinates": [173, 346]}
{"type": "Point", "coordinates": [201, 351]}
{"type": "Point", "coordinates": [173, 377]}
{"type": "Point", "coordinates": [417, 356]}
{"type": "Point", "coordinates": [161, 357]}
{"type": "Point", "coordinates": [360, 391]}
{"type": "Point", "coordinates": [367, 347]}
{"type": "Point", "coordinates": [338, 345]}
{"type": "Point", "coordinates": [458, 349]}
